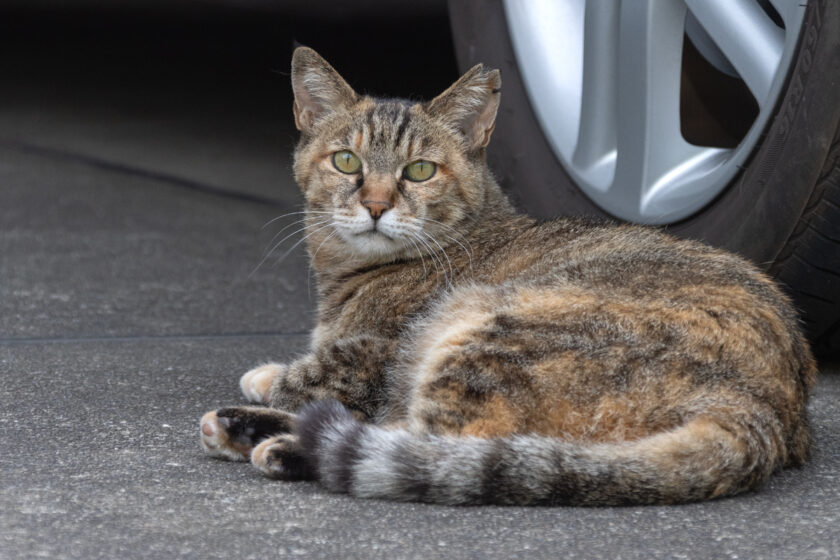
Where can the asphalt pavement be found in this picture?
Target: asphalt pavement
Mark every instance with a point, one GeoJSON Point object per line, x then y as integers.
{"type": "Point", "coordinates": [133, 294]}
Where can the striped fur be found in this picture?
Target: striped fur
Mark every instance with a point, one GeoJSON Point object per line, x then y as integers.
{"type": "Point", "coordinates": [465, 354]}
{"type": "Point", "coordinates": [704, 460]}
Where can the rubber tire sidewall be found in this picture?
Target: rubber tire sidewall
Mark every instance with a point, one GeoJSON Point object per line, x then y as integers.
{"type": "Point", "coordinates": [755, 214]}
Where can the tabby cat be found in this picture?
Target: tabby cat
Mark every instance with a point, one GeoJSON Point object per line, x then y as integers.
{"type": "Point", "coordinates": [467, 354]}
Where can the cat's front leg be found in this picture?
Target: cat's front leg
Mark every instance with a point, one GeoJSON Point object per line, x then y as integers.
{"type": "Point", "coordinates": [303, 386]}
{"type": "Point", "coordinates": [350, 370]}
{"type": "Point", "coordinates": [256, 383]}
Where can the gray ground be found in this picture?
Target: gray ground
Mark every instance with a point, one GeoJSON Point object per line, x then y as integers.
{"type": "Point", "coordinates": [129, 306]}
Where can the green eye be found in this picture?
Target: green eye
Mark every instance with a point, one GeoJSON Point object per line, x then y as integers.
{"type": "Point", "coordinates": [347, 162]}
{"type": "Point", "coordinates": [419, 170]}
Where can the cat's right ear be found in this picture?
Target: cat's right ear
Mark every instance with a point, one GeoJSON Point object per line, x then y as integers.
{"type": "Point", "coordinates": [319, 90]}
{"type": "Point", "coordinates": [470, 105]}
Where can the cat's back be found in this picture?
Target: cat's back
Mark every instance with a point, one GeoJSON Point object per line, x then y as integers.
{"type": "Point", "coordinates": [637, 265]}
{"type": "Point", "coordinates": [621, 258]}
{"type": "Point", "coordinates": [622, 289]}
{"type": "Point", "coordinates": [626, 268]}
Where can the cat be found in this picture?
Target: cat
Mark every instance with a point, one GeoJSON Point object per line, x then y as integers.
{"type": "Point", "coordinates": [467, 354]}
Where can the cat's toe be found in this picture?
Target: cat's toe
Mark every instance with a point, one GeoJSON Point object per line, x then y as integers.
{"type": "Point", "coordinates": [280, 457]}
{"type": "Point", "coordinates": [216, 440]}
{"type": "Point", "coordinates": [232, 432]}
{"type": "Point", "coordinates": [256, 384]}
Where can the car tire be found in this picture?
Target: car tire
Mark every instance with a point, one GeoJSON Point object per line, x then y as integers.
{"type": "Point", "coordinates": [781, 211]}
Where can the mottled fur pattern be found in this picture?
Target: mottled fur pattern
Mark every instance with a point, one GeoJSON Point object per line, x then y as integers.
{"type": "Point", "coordinates": [465, 354]}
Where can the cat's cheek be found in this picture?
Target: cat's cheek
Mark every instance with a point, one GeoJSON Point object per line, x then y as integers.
{"type": "Point", "coordinates": [344, 198]}
{"type": "Point", "coordinates": [438, 191]}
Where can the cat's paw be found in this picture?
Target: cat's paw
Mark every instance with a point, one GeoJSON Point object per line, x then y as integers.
{"type": "Point", "coordinates": [280, 457]}
{"type": "Point", "coordinates": [256, 384]}
{"type": "Point", "coordinates": [231, 433]}
{"type": "Point", "coordinates": [216, 440]}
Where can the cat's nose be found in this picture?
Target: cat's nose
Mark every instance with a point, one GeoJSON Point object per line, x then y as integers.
{"type": "Point", "coordinates": [376, 207]}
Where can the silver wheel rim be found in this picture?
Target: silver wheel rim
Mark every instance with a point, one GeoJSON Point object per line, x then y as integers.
{"type": "Point", "coordinates": [619, 136]}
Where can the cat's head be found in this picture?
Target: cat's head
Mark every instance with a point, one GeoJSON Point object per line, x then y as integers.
{"type": "Point", "coordinates": [391, 177]}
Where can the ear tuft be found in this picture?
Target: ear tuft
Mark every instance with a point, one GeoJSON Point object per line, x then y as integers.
{"type": "Point", "coordinates": [319, 90]}
{"type": "Point", "coordinates": [470, 105]}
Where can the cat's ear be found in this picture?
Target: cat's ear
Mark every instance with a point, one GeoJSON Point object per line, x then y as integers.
{"type": "Point", "coordinates": [319, 90]}
{"type": "Point", "coordinates": [470, 105]}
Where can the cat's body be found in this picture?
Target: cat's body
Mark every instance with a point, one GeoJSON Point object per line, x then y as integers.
{"type": "Point", "coordinates": [488, 358]}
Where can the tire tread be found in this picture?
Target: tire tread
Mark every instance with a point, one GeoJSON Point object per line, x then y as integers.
{"type": "Point", "coordinates": [817, 236]}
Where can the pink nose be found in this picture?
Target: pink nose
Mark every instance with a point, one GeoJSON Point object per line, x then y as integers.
{"type": "Point", "coordinates": [376, 207]}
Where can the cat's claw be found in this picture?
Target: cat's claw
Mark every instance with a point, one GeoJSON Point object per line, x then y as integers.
{"type": "Point", "coordinates": [256, 384]}
{"type": "Point", "coordinates": [216, 440]}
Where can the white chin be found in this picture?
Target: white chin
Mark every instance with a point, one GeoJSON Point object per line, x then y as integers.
{"type": "Point", "coordinates": [374, 244]}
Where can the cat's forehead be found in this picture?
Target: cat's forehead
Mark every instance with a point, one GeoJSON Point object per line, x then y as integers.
{"type": "Point", "coordinates": [389, 128]}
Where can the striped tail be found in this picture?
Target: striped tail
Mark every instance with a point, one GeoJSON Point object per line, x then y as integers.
{"type": "Point", "coordinates": [697, 461]}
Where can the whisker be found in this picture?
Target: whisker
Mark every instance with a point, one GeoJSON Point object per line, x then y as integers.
{"type": "Point", "coordinates": [449, 262]}
{"type": "Point", "coordinates": [420, 253]}
{"type": "Point", "coordinates": [453, 230]}
{"type": "Point", "coordinates": [447, 226]}
{"type": "Point", "coordinates": [467, 252]}
{"type": "Point", "coordinates": [272, 220]}
{"type": "Point", "coordinates": [276, 235]}
{"type": "Point", "coordinates": [309, 277]}
{"type": "Point", "coordinates": [304, 228]}
{"type": "Point", "coordinates": [301, 240]}
{"type": "Point", "coordinates": [322, 244]}
{"type": "Point", "coordinates": [435, 259]}
{"type": "Point", "coordinates": [267, 255]}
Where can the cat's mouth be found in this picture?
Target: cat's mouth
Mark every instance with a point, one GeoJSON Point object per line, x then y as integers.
{"type": "Point", "coordinates": [373, 231]}
{"type": "Point", "coordinates": [373, 237]}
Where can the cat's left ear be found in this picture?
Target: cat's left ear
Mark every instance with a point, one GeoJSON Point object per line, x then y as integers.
{"type": "Point", "coordinates": [319, 90]}
{"type": "Point", "coordinates": [470, 105]}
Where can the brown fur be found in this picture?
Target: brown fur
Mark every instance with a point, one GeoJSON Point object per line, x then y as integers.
{"type": "Point", "coordinates": [677, 367]}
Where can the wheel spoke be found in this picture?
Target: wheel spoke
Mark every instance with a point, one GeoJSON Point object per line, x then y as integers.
{"type": "Point", "coordinates": [653, 161]}
{"type": "Point", "coordinates": [596, 144]}
{"type": "Point", "coordinates": [604, 79]}
{"type": "Point", "coordinates": [648, 133]}
{"type": "Point", "coordinates": [748, 38]}
{"type": "Point", "coordinates": [547, 38]}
